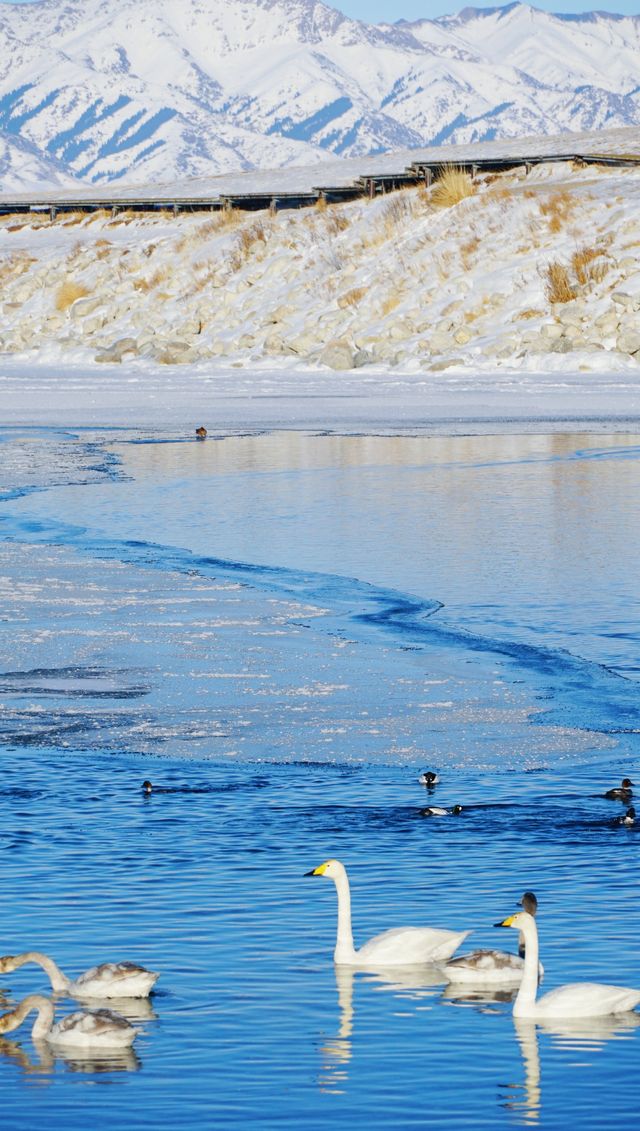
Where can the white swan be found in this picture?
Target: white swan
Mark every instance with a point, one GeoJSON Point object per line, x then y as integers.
{"type": "Point", "coordinates": [401, 946]}
{"type": "Point", "coordinates": [111, 979]}
{"type": "Point", "coordinates": [492, 967]}
{"type": "Point", "coordinates": [577, 999]}
{"type": "Point", "coordinates": [95, 1030]}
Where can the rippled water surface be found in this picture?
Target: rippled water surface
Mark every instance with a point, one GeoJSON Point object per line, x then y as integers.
{"type": "Point", "coordinates": [281, 631]}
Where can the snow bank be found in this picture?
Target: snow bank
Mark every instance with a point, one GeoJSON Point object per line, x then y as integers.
{"type": "Point", "coordinates": [395, 297]}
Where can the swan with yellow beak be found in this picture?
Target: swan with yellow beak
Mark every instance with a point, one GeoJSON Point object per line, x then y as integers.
{"type": "Point", "coordinates": [576, 999]}
{"type": "Point", "coordinates": [400, 946]}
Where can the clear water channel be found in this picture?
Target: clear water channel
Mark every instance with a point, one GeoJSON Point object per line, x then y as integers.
{"type": "Point", "coordinates": [281, 631]}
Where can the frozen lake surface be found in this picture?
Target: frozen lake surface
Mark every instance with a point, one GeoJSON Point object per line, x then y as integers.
{"type": "Point", "coordinates": [291, 626]}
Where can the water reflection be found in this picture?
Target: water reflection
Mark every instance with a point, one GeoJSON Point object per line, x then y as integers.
{"type": "Point", "coordinates": [46, 1058]}
{"type": "Point", "coordinates": [587, 1033]}
{"type": "Point", "coordinates": [408, 982]}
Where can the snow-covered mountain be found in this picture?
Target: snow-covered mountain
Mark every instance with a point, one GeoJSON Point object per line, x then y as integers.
{"type": "Point", "coordinates": [165, 89]}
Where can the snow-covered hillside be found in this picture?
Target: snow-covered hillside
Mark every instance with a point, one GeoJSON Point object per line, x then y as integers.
{"type": "Point", "coordinates": [143, 90]}
{"type": "Point", "coordinates": [537, 271]}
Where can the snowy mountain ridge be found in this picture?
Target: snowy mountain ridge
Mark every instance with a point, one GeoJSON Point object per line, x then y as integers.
{"type": "Point", "coordinates": [144, 90]}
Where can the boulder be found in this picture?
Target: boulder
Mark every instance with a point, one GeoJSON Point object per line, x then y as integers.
{"type": "Point", "coordinates": [338, 354]}
{"type": "Point", "coordinates": [116, 352]}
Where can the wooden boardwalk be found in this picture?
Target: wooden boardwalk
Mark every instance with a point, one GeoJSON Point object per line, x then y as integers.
{"type": "Point", "coordinates": [369, 185]}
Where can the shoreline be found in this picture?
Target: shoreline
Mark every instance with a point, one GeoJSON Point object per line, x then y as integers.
{"type": "Point", "coordinates": [229, 399]}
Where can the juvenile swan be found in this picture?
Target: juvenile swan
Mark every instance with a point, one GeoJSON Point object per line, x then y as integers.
{"type": "Point", "coordinates": [111, 979]}
{"type": "Point", "coordinates": [492, 967]}
{"type": "Point", "coordinates": [94, 1030]}
{"type": "Point", "coordinates": [577, 999]}
{"type": "Point", "coordinates": [401, 946]}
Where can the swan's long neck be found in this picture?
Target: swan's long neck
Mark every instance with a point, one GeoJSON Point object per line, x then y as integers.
{"type": "Point", "coordinates": [43, 1022]}
{"type": "Point", "coordinates": [59, 981]}
{"type": "Point", "coordinates": [526, 999]}
{"type": "Point", "coordinates": [344, 951]}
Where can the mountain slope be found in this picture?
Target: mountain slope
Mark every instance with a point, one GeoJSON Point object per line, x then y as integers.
{"type": "Point", "coordinates": [151, 89]}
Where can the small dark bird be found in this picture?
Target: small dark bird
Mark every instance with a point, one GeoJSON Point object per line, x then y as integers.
{"type": "Point", "coordinates": [201, 433]}
{"type": "Point", "coordinates": [439, 811]}
{"type": "Point", "coordinates": [429, 779]}
{"type": "Point", "coordinates": [622, 792]}
{"type": "Point", "coordinates": [629, 817]}
{"type": "Point", "coordinates": [147, 786]}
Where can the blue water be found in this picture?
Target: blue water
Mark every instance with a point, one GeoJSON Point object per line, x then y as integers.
{"type": "Point", "coordinates": [283, 630]}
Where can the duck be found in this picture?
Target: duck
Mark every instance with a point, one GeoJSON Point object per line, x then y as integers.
{"type": "Point", "coordinates": [400, 946]}
{"type": "Point", "coordinates": [111, 979]}
{"type": "Point", "coordinates": [577, 999]}
{"type": "Point", "coordinates": [440, 811]}
{"type": "Point", "coordinates": [492, 967]}
{"type": "Point", "coordinates": [148, 788]}
{"type": "Point", "coordinates": [628, 818]}
{"type": "Point", "coordinates": [93, 1030]}
{"type": "Point", "coordinates": [621, 792]}
{"type": "Point", "coordinates": [201, 432]}
{"type": "Point", "coordinates": [429, 778]}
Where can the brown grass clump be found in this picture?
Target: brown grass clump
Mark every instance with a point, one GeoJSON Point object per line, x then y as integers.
{"type": "Point", "coordinates": [529, 313]}
{"type": "Point", "coordinates": [557, 284]}
{"type": "Point", "coordinates": [321, 204]}
{"type": "Point", "coordinates": [352, 297]}
{"type": "Point", "coordinates": [149, 284]}
{"type": "Point", "coordinates": [67, 294]}
{"type": "Point", "coordinates": [390, 303]}
{"type": "Point", "coordinates": [452, 186]}
{"type": "Point", "coordinates": [558, 208]}
{"type": "Point", "coordinates": [335, 221]}
{"type": "Point", "coordinates": [590, 264]}
{"type": "Point", "coordinates": [229, 217]}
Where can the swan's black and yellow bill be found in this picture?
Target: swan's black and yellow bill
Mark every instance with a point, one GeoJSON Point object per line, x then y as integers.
{"type": "Point", "coordinates": [508, 922]}
{"type": "Point", "coordinates": [319, 871]}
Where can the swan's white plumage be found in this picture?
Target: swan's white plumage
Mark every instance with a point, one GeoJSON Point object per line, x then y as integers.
{"type": "Point", "coordinates": [577, 999]}
{"type": "Point", "coordinates": [90, 1031]}
{"type": "Point", "coordinates": [109, 980]}
{"type": "Point", "coordinates": [399, 946]}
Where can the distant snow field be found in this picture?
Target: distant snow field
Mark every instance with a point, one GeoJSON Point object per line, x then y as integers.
{"type": "Point", "coordinates": [518, 301]}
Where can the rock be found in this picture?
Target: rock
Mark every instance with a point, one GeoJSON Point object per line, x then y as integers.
{"type": "Point", "coordinates": [551, 330]}
{"type": "Point", "coordinates": [462, 335]}
{"type": "Point", "coordinates": [362, 357]}
{"type": "Point", "coordinates": [337, 355]}
{"type": "Point", "coordinates": [560, 345]}
{"type": "Point", "coordinates": [174, 352]}
{"type": "Point", "coordinates": [445, 363]}
{"type": "Point", "coordinates": [83, 306]}
{"type": "Point", "coordinates": [118, 351]}
{"type": "Point", "coordinates": [621, 298]}
{"type": "Point", "coordinates": [628, 341]}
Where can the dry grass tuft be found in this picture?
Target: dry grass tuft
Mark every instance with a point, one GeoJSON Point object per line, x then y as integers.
{"type": "Point", "coordinates": [390, 303]}
{"type": "Point", "coordinates": [352, 297]}
{"type": "Point", "coordinates": [557, 284]}
{"type": "Point", "coordinates": [336, 221]}
{"type": "Point", "coordinates": [321, 204]}
{"type": "Point", "coordinates": [149, 284]}
{"type": "Point", "coordinates": [558, 208]}
{"type": "Point", "coordinates": [590, 264]}
{"type": "Point", "coordinates": [530, 312]}
{"type": "Point", "coordinates": [452, 186]}
{"type": "Point", "coordinates": [67, 294]}
{"type": "Point", "coordinates": [103, 248]}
